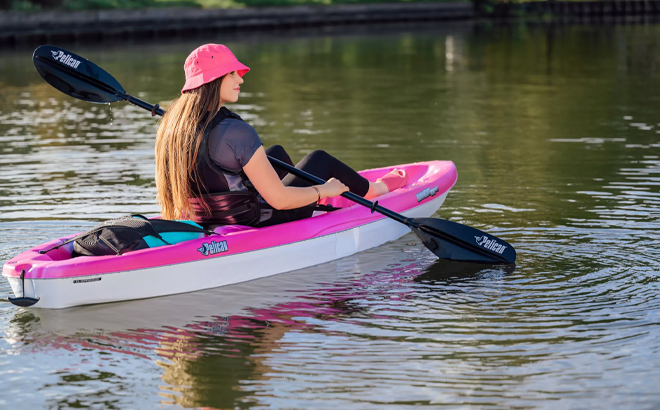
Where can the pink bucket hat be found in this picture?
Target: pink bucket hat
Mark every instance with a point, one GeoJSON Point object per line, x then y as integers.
{"type": "Point", "coordinates": [208, 62]}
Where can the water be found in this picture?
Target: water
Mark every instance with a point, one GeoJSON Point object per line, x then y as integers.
{"type": "Point", "coordinates": [554, 132]}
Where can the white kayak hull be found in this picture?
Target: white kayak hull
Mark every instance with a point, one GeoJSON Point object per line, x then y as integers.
{"type": "Point", "coordinates": [57, 293]}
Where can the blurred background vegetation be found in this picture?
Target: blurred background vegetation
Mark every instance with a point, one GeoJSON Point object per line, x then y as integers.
{"type": "Point", "coordinates": [36, 5]}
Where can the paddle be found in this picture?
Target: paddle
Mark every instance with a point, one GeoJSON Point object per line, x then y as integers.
{"type": "Point", "coordinates": [82, 79]}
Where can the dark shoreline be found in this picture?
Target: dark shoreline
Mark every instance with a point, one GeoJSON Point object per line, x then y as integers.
{"type": "Point", "coordinates": [95, 26]}
{"type": "Point", "coordinates": [62, 26]}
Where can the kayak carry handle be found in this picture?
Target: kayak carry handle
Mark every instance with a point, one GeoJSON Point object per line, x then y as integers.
{"type": "Point", "coordinates": [23, 301]}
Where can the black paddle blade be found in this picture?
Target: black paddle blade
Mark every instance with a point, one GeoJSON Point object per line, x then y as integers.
{"type": "Point", "coordinates": [24, 301]}
{"type": "Point", "coordinates": [456, 242]}
{"type": "Point", "coordinates": [76, 76]}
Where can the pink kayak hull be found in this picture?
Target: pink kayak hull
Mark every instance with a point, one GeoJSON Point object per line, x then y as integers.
{"type": "Point", "coordinates": [349, 229]}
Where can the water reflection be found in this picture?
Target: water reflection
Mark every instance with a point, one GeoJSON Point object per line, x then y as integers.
{"type": "Point", "coordinates": [219, 334]}
{"type": "Point", "coordinates": [443, 271]}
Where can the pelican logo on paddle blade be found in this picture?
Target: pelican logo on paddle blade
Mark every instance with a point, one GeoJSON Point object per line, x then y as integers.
{"type": "Point", "coordinates": [65, 58]}
{"type": "Point", "coordinates": [213, 247]}
{"type": "Point", "coordinates": [490, 244]}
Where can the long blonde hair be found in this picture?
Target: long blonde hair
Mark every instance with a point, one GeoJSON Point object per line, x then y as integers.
{"type": "Point", "coordinates": [177, 143]}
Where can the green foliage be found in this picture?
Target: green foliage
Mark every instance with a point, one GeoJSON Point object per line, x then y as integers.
{"type": "Point", "coordinates": [179, 3]}
{"type": "Point", "coordinates": [208, 4]}
{"type": "Point", "coordinates": [33, 5]}
{"type": "Point", "coordinates": [24, 5]}
{"type": "Point", "coordinates": [107, 4]}
{"type": "Point", "coordinates": [264, 3]}
{"type": "Point", "coordinates": [29, 5]}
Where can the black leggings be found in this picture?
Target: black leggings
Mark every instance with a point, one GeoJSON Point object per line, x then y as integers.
{"type": "Point", "coordinates": [320, 164]}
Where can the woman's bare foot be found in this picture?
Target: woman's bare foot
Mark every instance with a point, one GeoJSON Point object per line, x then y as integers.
{"type": "Point", "coordinates": [391, 181]}
{"type": "Point", "coordinates": [377, 188]}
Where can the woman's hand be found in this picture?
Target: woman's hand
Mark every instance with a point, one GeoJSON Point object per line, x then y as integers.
{"type": "Point", "coordinates": [333, 187]}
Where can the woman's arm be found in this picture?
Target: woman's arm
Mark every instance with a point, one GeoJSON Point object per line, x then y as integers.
{"type": "Point", "coordinates": [265, 180]}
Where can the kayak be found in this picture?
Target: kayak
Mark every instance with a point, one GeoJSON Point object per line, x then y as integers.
{"type": "Point", "coordinates": [234, 254]}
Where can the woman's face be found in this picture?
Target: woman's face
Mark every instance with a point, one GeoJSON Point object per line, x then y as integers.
{"type": "Point", "coordinates": [230, 88]}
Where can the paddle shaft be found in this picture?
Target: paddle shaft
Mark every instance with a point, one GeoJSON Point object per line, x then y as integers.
{"type": "Point", "coordinates": [143, 104]}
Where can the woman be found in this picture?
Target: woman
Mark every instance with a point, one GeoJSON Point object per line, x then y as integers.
{"type": "Point", "coordinates": [211, 166]}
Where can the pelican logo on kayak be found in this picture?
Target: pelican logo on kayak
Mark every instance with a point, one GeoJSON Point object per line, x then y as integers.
{"type": "Point", "coordinates": [490, 244]}
{"type": "Point", "coordinates": [213, 247]}
{"type": "Point", "coordinates": [65, 59]}
{"type": "Point", "coordinates": [426, 193]}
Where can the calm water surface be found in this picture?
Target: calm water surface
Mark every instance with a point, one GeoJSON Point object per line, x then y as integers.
{"type": "Point", "coordinates": [555, 134]}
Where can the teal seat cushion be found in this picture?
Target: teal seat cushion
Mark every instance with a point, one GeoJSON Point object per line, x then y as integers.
{"type": "Point", "coordinates": [173, 237]}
